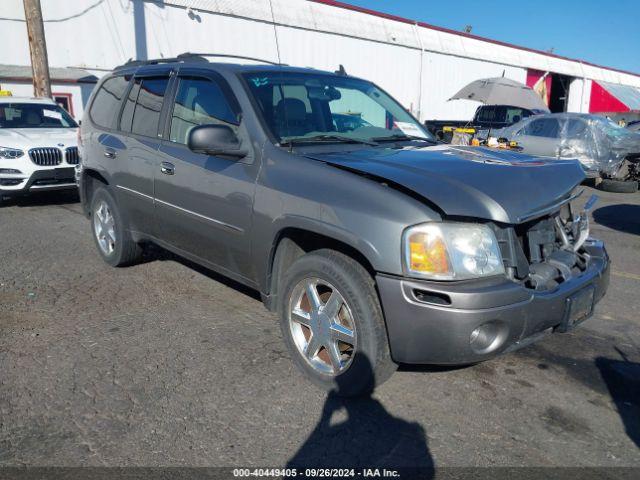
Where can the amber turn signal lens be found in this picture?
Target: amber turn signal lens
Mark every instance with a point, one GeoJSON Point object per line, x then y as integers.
{"type": "Point", "coordinates": [428, 254]}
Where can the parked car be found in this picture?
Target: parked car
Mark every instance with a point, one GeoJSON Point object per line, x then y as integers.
{"type": "Point", "coordinates": [487, 117]}
{"type": "Point", "coordinates": [38, 146]}
{"type": "Point", "coordinates": [374, 246]}
{"type": "Point", "coordinates": [604, 148]}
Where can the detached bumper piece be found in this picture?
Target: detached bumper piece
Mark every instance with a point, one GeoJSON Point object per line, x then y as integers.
{"type": "Point", "coordinates": [464, 322]}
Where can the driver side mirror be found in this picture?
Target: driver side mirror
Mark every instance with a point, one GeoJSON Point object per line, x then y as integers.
{"type": "Point", "coordinates": [216, 140]}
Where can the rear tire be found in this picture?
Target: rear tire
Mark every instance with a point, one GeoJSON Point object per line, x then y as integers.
{"type": "Point", "coordinates": [364, 366]}
{"type": "Point", "coordinates": [619, 186]}
{"type": "Point", "coordinates": [113, 240]}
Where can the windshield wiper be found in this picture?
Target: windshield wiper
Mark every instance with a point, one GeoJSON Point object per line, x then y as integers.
{"type": "Point", "coordinates": [328, 138]}
{"type": "Point", "coordinates": [401, 136]}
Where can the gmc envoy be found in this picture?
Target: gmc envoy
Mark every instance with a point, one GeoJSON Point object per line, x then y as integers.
{"type": "Point", "coordinates": [374, 244]}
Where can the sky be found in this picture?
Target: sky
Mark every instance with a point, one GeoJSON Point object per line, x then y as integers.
{"type": "Point", "coordinates": [604, 32]}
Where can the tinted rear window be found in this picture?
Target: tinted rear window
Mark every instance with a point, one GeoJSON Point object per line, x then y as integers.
{"type": "Point", "coordinates": [502, 114]}
{"type": "Point", "coordinates": [106, 105]}
{"type": "Point", "coordinates": [491, 114]}
{"type": "Point", "coordinates": [148, 106]}
{"type": "Point", "coordinates": [544, 127]}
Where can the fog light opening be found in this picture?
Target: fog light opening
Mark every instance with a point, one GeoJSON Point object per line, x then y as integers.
{"type": "Point", "coordinates": [488, 337]}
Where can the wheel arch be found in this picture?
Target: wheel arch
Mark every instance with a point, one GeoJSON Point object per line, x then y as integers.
{"type": "Point", "coordinates": [88, 181]}
{"type": "Point", "coordinates": [291, 242]}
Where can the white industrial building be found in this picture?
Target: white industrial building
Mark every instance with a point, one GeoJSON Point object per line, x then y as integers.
{"type": "Point", "coordinates": [421, 65]}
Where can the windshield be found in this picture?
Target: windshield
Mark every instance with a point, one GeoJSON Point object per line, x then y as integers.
{"type": "Point", "coordinates": [34, 115]}
{"type": "Point", "coordinates": [301, 107]}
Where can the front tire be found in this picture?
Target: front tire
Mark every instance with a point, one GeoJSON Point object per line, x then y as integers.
{"type": "Point", "coordinates": [112, 238]}
{"type": "Point", "coordinates": [333, 325]}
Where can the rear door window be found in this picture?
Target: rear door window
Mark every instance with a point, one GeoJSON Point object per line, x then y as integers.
{"type": "Point", "coordinates": [141, 114]}
{"type": "Point", "coordinates": [106, 105]}
{"type": "Point", "coordinates": [543, 127]}
{"type": "Point", "coordinates": [199, 101]}
{"type": "Point", "coordinates": [129, 107]}
{"type": "Point", "coordinates": [576, 128]}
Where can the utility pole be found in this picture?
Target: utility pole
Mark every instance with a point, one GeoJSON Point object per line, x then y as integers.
{"type": "Point", "coordinates": [38, 48]}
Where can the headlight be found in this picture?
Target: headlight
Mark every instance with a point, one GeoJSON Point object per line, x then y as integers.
{"type": "Point", "coordinates": [451, 251]}
{"type": "Point", "coordinates": [10, 153]}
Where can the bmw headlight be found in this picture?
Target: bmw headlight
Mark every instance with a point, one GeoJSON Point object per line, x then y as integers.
{"type": "Point", "coordinates": [451, 251]}
{"type": "Point", "coordinates": [10, 153]}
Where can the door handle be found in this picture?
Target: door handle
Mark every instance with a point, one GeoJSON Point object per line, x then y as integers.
{"type": "Point", "coordinates": [167, 168]}
{"type": "Point", "coordinates": [110, 153]}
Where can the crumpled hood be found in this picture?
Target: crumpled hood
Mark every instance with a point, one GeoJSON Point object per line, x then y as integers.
{"type": "Point", "coordinates": [37, 137]}
{"type": "Point", "coordinates": [475, 182]}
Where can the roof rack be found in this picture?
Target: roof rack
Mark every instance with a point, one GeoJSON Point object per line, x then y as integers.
{"type": "Point", "coordinates": [198, 57]}
{"type": "Point", "coordinates": [224, 55]}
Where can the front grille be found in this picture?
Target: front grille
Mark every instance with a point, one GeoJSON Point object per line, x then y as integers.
{"type": "Point", "coordinates": [46, 156]}
{"type": "Point", "coordinates": [72, 156]}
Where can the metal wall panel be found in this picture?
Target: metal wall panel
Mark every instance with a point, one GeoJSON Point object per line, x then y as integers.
{"type": "Point", "coordinates": [101, 35]}
{"type": "Point", "coordinates": [395, 69]}
{"type": "Point", "coordinates": [444, 75]}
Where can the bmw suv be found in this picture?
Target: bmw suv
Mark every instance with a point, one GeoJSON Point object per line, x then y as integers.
{"type": "Point", "coordinates": [38, 146]}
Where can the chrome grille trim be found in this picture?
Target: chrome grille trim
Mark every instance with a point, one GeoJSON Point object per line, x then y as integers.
{"type": "Point", "coordinates": [46, 156]}
{"type": "Point", "coordinates": [72, 156]}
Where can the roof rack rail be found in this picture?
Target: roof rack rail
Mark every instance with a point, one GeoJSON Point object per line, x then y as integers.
{"type": "Point", "coordinates": [153, 61]}
{"type": "Point", "coordinates": [225, 55]}
{"type": "Point", "coordinates": [200, 57]}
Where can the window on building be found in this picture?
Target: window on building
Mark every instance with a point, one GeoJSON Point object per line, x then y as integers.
{"type": "Point", "coordinates": [64, 101]}
{"type": "Point", "coordinates": [199, 102]}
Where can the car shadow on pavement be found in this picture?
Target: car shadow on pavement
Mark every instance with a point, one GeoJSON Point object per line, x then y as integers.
{"type": "Point", "coordinates": [369, 437]}
{"type": "Point", "coordinates": [624, 217]}
{"type": "Point", "coordinates": [622, 378]}
{"type": "Point", "coordinates": [41, 199]}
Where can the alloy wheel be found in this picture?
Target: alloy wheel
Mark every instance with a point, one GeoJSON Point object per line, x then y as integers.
{"type": "Point", "coordinates": [104, 228]}
{"type": "Point", "coordinates": [322, 326]}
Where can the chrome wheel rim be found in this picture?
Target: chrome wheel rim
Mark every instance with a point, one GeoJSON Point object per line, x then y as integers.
{"type": "Point", "coordinates": [322, 326]}
{"type": "Point", "coordinates": [104, 228]}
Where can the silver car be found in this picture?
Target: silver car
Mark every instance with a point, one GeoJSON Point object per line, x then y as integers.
{"type": "Point", "coordinates": [603, 148]}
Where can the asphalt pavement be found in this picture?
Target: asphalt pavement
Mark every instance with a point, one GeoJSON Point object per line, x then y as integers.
{"type": "Point", "coordinates": [164, 363]}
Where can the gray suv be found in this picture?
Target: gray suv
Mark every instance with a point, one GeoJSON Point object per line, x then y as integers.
{"type": "Point", "coordinates": [375, 245]}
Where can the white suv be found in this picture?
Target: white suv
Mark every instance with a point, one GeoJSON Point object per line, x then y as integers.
{"type": "Point", "coordinates": [38, 146]}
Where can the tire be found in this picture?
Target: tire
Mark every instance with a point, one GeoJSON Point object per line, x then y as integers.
{"type": "Point", "coordinates": [120, 249]}
{"type": "Point", "coordinates": [619, 186]}
{"type": "Point", "coordinates": [368, 363]}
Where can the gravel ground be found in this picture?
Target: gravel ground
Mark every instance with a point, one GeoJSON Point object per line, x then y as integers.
{"type": "Point", "coordinates": [167, 364]}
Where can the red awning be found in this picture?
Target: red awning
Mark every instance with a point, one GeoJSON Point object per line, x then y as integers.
{"type": "Point", "coordinates": [613, 98]}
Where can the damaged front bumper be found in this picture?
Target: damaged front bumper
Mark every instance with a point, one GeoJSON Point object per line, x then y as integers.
{"type": "Point", "coordinates": [470, 321]}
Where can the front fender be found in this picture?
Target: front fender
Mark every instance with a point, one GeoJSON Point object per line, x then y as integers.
{"type": "Point", "coordinates": [298, 193]}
